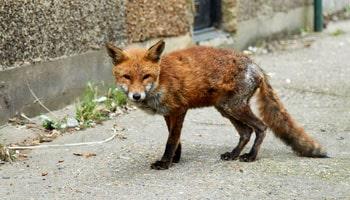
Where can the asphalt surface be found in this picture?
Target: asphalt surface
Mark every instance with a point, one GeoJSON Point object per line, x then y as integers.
{"type": "Point", "coordinates": [313, 83]}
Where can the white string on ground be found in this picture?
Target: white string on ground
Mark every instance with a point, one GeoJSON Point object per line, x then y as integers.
{"type": "Point", "coordinates": [65, 145]}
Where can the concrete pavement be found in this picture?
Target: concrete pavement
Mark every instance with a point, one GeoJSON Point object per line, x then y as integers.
{"type": "Point", "coordinates": [313, 83]}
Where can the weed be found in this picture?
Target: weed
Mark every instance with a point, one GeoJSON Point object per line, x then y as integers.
{"type": "Point", "coordinates": [89, 110]}
{"type": "Point", "coordinates": [50, 124]}
{"type": "Point", "coordinates": [86, 110]}
{"type": "Point", "coordinates": [115, 98]}
{"type": "Point", "coordinates": [304, 31]}
{"type": "Point", "coordinates": [337, 32]}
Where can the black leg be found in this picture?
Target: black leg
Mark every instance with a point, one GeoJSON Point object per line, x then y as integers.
{"type": "Point", "coordinates": [174, 123]}
{"type": "Point", "coordinates": [245, 121]}
{"type": "Point", "coordinates": [177, 155]}
{"type": "Point", "coordinates": [243, 130]}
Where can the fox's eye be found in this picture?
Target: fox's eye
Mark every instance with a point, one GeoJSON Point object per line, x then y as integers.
{"type": "Point", "coordinates": [126, 76]}
{"type": "Point", "coordinates": [146, 76]}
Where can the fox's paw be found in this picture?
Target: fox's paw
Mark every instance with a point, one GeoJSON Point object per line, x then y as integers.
{"type": "Point", "coordinates": [247, 157]}
{"type": "Point", "coordinates": [160, 165]}
{"type": "Point", "coordinates": [229, 156]}
{"type": "Point", "coordinates": [176, 159]}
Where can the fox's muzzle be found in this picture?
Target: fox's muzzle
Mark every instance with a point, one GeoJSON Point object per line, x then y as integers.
{"type": "Point", "coordinates": [137, 96]}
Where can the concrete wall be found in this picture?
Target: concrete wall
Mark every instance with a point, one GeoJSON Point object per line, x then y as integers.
{"type": "Point", "coordinates": [37, 31]}
{"type": "Point", "coordinates": [264, 18]}
{"type": "Point", "coordinates": [57, 46]}
{"type": "Point", "coordinates": [56, 83]}
{"type": "Point", "coordinates": [251, 9]}
{"type": "Point", "coordinates": [331, 6]}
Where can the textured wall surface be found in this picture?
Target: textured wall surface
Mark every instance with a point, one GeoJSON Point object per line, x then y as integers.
{"type": "Point", "coordinates": [35, 31]}
{"type": "Point", "coordinates": [249, 9]}
{"type": "Point", "coordinates": [330, 6]}
{"type": "Point", "coordinates": [32, 31]}
{"type": "Point", "coordinates": [229, 9]}
{"type": "Point", "coordinates": [153, 18]}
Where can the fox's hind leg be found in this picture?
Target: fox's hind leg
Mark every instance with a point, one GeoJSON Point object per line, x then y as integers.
{"type": "Point", "coordinates": [244, 132]}
{"type": "Point", "coordinates": [242, 113]}
{"type": "Point", "coordinates": [246, 115]}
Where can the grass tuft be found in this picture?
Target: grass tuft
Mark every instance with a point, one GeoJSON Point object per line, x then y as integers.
{"type": "Point", "coordinates": [89, 110]}
{"type": "Point", "coordinates": [337, 32]}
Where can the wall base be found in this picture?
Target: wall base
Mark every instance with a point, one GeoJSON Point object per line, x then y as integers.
{"type": "Point", "coordinates": [58, 83]}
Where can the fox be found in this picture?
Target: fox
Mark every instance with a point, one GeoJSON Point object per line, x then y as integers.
{"type": "Point", "coordinates": [200, 76]}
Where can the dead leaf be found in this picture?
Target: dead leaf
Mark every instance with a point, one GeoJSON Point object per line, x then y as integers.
{"type": "Point", "coordinates": [45, 139]}
{"type": "Point", "coordinates": [55, 133]}
{"type": "Point", "coordinates": [60, 161]}
{"type": "Point", "coordinates": [29, 126]}
{"type": "Point", "coordinates": [44, 174]}
{"type": "Point", "coordinates": [85, 155]}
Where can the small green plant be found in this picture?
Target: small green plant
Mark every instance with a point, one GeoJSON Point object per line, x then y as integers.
{"type": "Point", "coordinates": [86, 110]}
{"type": "Point", "coordinates": [50, 124]}
{"type": "Point", "coordinates": [115, 98]}
{"type": "Point", "coordinates": [92, 109]}
{"type": "Point", "coordinates": [337, 32]}
{"type": "Point", "coordinates": [304, 31]}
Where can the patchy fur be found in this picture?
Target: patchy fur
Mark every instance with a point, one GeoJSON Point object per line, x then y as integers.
{"type": "Point", "coordinates": [204, 76]}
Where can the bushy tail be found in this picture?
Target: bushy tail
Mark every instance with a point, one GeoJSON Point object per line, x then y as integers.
{"type": "Point", "coordinates": [282, 124]}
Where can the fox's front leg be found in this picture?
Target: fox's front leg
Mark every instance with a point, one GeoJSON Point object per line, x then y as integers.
{"type": "Point", "coordinates": [173, 146]}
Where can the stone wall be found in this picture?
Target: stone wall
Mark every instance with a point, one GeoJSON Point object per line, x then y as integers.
{"type": "Point", "coordinates": [229, 10]}
{"type": "Point", "coordinates": [38, 31]}
{"type": "Point", "coordinates": [147, 19]}
{"type": "Point", "coordinates": [35, 31]}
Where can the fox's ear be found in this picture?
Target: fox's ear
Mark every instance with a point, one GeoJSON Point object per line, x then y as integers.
{"type": "Point", "coordinates": [154, 52]}
{"type": "Point", "coordinates": [115, 53]}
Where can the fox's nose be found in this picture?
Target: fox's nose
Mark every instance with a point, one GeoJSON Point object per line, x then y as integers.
{"type": "Point", "coordinates": [136, 96]}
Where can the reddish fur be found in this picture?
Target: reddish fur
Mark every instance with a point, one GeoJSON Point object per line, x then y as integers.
{"type": "Point", "coordinates": [204, 76]}
{"type": "Point", "coordinates": [195, 79]}
{"type": "Point", "coordinates": [283, 125]}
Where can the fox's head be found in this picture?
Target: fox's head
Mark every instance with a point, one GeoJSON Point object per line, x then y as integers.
{"type": "Point", "coordinates": [136, 70]}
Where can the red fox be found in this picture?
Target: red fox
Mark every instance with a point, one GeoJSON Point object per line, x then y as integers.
{"type": "Point", "coordinates": [199, 76]}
